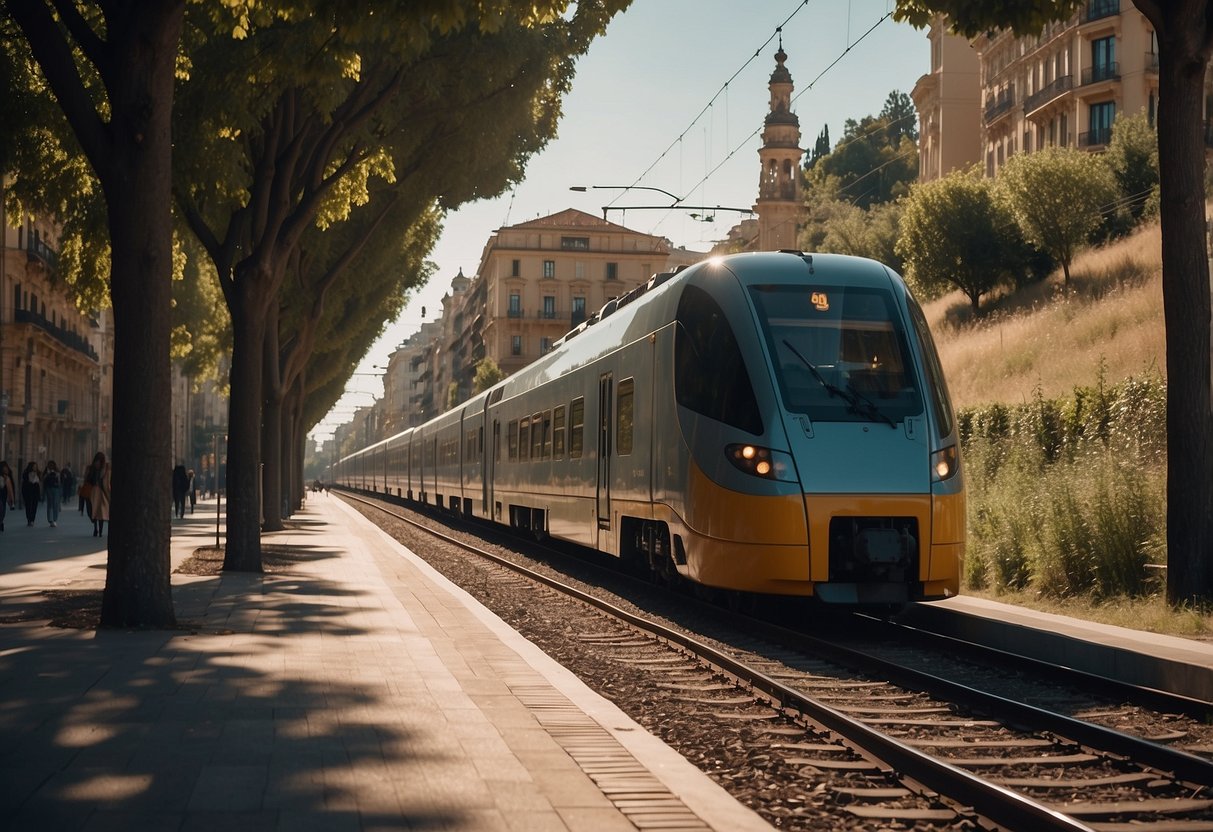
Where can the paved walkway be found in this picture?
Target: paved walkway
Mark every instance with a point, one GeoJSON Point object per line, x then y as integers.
{"type": "Point", "coordinates": [354, 689]}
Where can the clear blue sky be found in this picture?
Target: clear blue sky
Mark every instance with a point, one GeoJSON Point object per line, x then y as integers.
{"type": "Point", "coordinates": [638, 90]}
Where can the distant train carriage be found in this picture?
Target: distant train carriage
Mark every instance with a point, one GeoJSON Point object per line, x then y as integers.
{"type": "Point", "coordinates": [774, 423]}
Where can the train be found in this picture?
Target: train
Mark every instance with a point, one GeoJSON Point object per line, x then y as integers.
{"type": "Point", "coordinates": [772, 423]}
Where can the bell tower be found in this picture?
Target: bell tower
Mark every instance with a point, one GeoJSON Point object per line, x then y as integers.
{"type": "Point", "coordinates": [778, 206]}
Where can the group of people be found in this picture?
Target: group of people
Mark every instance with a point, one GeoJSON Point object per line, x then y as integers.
{"type": "Point", "coordinates": [53, 485]}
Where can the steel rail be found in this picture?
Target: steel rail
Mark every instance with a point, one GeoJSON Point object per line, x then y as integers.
{"type": "Point", "coordinates": [999, 805]}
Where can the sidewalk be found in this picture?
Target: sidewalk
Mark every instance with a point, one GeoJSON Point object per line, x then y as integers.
{"type": "Point", "coordinates": [353, 689]}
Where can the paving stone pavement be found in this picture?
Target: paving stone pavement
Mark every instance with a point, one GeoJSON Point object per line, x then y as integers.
{"type": "Point", "coordinates": [353, 689]}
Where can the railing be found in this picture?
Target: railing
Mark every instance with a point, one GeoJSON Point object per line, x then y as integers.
{"type": "Point", "coordinates": [548, 314]}
{"type": "Point", "coordinates": [37, 249]}
{"type": "Point", "coordinates": [1000, 105]}
{"type": "Point", "coordinates": [63, 336]}
{"type": "Point", "coordinates": [1055, 88]}
{"type": "Point", "coordinates": [1096, 137]}
{"type": "Point", "coordinates": [514, 313]}
{"type": "Point", "coordinates": [1099, 9]}
{"type": "Point", "coordinates": [1101, 72]}
{"type": "Point", "coordinates": [1152, 62]}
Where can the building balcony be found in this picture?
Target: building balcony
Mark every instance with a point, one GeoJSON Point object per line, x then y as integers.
{"type": "Point", "coordinates": [1101, 72]}
{"type": "Point", "coordinates": [549, 315]}
{"type": "Point", "coordinates": [1095, 138]}
{"type": "Point", "coordinates": [1055, 89]}
{"type": "Point", "coordinates": [1151, 64]}
{"type": "Point", "coordinates": [515, 313]}
{"type": "Point", "coordinates": [69, 339]}
{"type": "Point", "coordinates": [1000, 106]}
{"type": "Point", "coordinates": [1099, 9]}
{"type": "Point", "coordinates": [38, 251]}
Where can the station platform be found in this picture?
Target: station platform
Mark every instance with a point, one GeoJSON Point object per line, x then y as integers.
{"type": "Point", "coordinates": [353, 688]}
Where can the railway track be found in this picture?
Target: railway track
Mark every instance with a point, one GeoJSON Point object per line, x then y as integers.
{"type": "Point", "coordinates": [874, 741]}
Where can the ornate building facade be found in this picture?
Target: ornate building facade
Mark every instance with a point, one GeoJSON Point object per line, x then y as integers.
{"type": "Point", "coordinates": [779, 205]}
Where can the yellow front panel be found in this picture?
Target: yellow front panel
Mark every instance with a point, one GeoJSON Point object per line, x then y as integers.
{"type": "Point", "coordinates": [716, 512]}
{"type": "Point", "coordinates": [948, 518]}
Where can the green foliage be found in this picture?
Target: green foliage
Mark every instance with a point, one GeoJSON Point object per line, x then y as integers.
{"type": "Point", "coordinates": [874, 162]}
{"type": "Point", "coordinates": [487, 374]}
{"type": "Point", "coordinates": [1066, 495]}
{"type": "Point", "coordinates": [1058, 197]}
{"type": "Point", "coordinates": [955, 234]}
{"type": "Point", "coordinates": [1132, 156]}
{"type": "Point", "coordinates": [974, 17]}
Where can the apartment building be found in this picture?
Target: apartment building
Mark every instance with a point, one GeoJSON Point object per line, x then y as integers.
{"type": "Point", "coordinates": [1060, 88]}
{"type": "Point", "coordinates": [539, 279]}
{"type": "Point", "coordinates": [948, 100]}
{"type": "Point", "coordinates": [53, 380]}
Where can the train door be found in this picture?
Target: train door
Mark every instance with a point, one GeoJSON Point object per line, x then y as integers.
{"type": "Point", "coordinates": [605, 399]}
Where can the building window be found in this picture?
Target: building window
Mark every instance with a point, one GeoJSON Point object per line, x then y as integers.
{"type": "Point", "coordinates": [1103, 60]}
{"type": "Point", "coordinates": [575, 243]}
{"type": "Point", "coordinates": [612, 271]}
{"type": "Point", "coordinates": [516, 268]}
{"type": "Point", "coordinates": [578, 310]}
{"type": "Point", "coordinates": [1102, 116]}
{"type": "Point", "coordinates": [549, 268]}
{"type": "Point", "coordinates": [549, 306]}
{"type": "Point", "coordinates": [579, 270]}
{"type": "Point", "coordinates": [545, 344]}
{"type": "Point", "coordinates": [515, 305]}
{"type": "Point", "coordinates": [516, 345]}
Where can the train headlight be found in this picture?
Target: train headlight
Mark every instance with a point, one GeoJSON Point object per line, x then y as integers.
{"type": "Point", "coordinates": [944, 464]}
{"type": "Point", "coordinates": [762, 462]}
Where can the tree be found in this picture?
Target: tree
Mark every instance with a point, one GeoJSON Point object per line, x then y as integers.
{"type": "Point", "coordinates": [1058, 197]}
{"type": "Point", "coordinates": [821, 147]}
{"type": "Point", "coordinates": [1184, 29]}
{"type": "Point", "coordinates": [901, 116]}
{"type": "Point", "coordinates": [1132, 156]}
{"type": "Point", "coordinates": [868, 165]}
{"type": "Point", "coordinates": [487, 374]}
{"type": "Point", "coordinates": [955, 234]}
{"type": "Point", "coordinates": [110, 65]}
{"type": "Point", "coordinates": [276, 147]}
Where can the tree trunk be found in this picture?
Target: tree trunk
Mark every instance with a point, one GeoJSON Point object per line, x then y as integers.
{"type": "Point", "coordinates": [138, 592]}
{"type": "Point", "coordinates": [271, 426]}
{"type": "Point", "coordinates": [243, 551]}
{"type": "Point", "coordinates": [1186, 308]}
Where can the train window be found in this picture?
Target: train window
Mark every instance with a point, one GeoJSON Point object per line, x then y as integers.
{"type": "Point", "coordinates": [576, 427]}
{"type": "Point", "coordinates": [941, 402]}
{"type": "Point", "coordinates": [547, 434]}
{"type": "Point", "coordinates": [624, 416]}
{"type": "Point", "coordinates": [524, 437]}
{"type": "Point", "coordinates": [558, 433]}
{"type": "Point", "coordinates": [512, 439]}
{"type": "Point", "coordinates": [710, 375]}
{"type": "Point", "coordinates": [537, 436]}
{"type": "Point", "coordinates": [839, 352]}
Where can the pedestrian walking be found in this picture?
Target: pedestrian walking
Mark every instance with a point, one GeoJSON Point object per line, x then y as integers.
{"type": "Point", "coordinates": [8, 492]}
{"type": "Point", "coordinates": [52, 491]}
{"type": "Point", "coordinates": [192, 490]}
{"type": "Point", "coordinates": [99, 498]}
{"type": "Point", "coordinates": [67, 482]}
{"type": "Point", "coordinates": [31, 491]}
{"type": "Point", "coordinates": [180, 484]}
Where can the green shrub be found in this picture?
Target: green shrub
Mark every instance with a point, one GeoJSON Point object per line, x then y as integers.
{"type": "Point", "coordinates": [1067, 497]}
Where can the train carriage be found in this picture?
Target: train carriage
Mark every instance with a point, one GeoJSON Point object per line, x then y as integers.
{"type": "Point", "coordinates": [772, 423]}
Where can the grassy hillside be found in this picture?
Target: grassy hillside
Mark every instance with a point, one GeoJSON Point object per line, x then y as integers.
{"type": "Point", "coordinates": [1054, 337]}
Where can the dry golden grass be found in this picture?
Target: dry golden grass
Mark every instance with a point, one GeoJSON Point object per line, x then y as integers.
{"type": "Point", "coordinates": [1151, 614]}
{"type": "Point", "coordinates": [1056, 337]}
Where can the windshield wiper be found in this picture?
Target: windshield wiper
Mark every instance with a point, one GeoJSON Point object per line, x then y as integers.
{"type": "Point", "coordinates": [856, 401]}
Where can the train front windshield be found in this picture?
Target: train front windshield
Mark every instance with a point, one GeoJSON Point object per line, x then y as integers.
{"type": "Point", "coordinates": [840, 354]}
